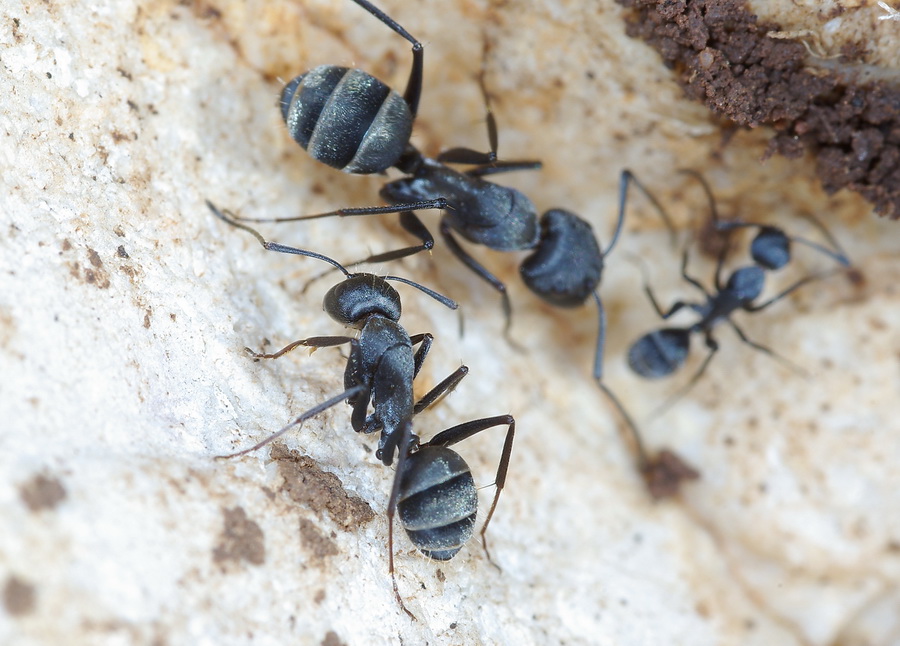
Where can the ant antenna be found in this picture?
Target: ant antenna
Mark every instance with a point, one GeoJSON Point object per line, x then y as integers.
{"type": "Point", "coordinates": [713, 211]}
{"type": "Point", "coordinates": [837, 252]}
{"type": "Point", "coordinates": [626, 177]}
{"type": "Point", "coordinates": [229, 218]}
{"type": "Point", "coordinates": [440, 298]}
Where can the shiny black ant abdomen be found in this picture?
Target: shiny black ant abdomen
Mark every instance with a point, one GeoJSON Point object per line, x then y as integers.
{"type": "Point", "coordinates": [438, 502]}
{"type": "Point", "coordinates": [347, 118]}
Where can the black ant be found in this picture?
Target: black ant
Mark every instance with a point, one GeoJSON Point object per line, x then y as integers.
{"type": "Point", "coordinates": [661, 352]}
{"type": "Point", "coordinates": [433, 488]}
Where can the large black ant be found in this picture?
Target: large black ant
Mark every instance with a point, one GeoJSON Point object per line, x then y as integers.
{"type": "Point", "coordinates": [433, 488]}
{"type": "Point", "coordinates": [661, 352]}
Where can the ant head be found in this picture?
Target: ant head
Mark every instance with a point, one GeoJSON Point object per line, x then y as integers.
{"type": "Point", "coordinates": [747, 283]}
{"type": "Point", "coordinates": [771, 248]}
{"type": "Point", "coordinates": [352, 301]}
{"type": "Point", "coordinates": [659, 353]}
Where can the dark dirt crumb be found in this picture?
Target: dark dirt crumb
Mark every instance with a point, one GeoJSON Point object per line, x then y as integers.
{"type": "Point", "coordinates": [318, 490]}
{"type": "Point", "coordinates": [241, 539]}
{"type": "Point", "coordinates": [712, 242]}
{"type": "Point", "coordinates": [315, 541]}
{"type": "Point", "coordinates": [18, 597]}
{"type": "Point", "coordinates": [320, 596]}
{"type": "Point", "coordinates": [665, 473]}
{"type": "Point", "coordinates": [332, 639]}
{"type": "Point", "coordinates": [723, 58]}
{"type": "Point", "coordinates": [42, 492]}
{"type": "Point", "coordinates": [94, 258]}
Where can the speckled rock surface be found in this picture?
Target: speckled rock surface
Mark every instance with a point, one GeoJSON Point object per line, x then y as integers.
{"type": "Point", "coordinates": [125, 307]}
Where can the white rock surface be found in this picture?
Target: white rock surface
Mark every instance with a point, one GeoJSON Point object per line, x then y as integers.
{"type": "Point", "coordinates": [125, 306]}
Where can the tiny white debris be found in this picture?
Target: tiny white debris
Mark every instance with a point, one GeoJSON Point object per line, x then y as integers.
{"type": "Point", "coordinates": [892, 14]}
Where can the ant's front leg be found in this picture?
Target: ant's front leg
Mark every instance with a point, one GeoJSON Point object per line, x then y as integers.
{"type": "Point", "coordinates": [314, 342]}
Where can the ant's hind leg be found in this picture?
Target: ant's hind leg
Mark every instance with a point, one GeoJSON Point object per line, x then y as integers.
{"type": "Point", "coordinates": [468, 429]}
{"type": "Point", "coordinates": [768, 351]}
{"type": "Point", "coordinates": [394, 499]}
{"type": "Point", "coordinates": [637, 442]}
{"type": "Point", "coordinates": [485, 275]}
{"type": "Point", "coordinates": [681, 392]}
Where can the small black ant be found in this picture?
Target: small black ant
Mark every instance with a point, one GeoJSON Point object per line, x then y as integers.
{"type": "Point", "coordinates": [433, 489]}
{"type": "Point", "coordinates": [661, 352]}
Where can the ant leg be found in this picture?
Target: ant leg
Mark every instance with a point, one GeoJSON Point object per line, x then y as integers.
{"type": "Point", "coordinates": [441, 390]}
{"type": "Point", "coordinates": [693, 281]}
{"type": "Point", "coordinates": [767, 351]}
{"type": "Point", "coordinates": [419, 358]}
{"type": "Point", "coordinates": [229, 218]}
{"type": "Point", "coordinates": [717, 278]}
{"type": "Point", "coordinates": [504, 167]}
{"type": "Point", "coordinates": [800, 283]}
{"type": "Point", "coordinates": [624, 178]}
{"type": "Point", "coordinates": [439, 203]}
{"type": "Point", "coordinates": [627, 178]}
{"type": "Point", "coordinates": [678, 305]}
{"type": "Point", "coordinates": [314, 342]}
{"type": "Point", "coordinates": [636, 442]}
{"type": "Point", "coordinates": [414, 85]}
{"type": "Point", "coordinates": [467, 155]}
{"type": "Point", "coordinates": [484, 274]}
{"type": "Point", "coordinates": [468, 429]}
{"type": "Point", "coordinates": [681, 392]}
{"type": "Point", "coordinates": [405, 436]}
{"type": "Point", "coordinates": [413, 225]}
{"type": "Point", "coordinates": [312, 412]}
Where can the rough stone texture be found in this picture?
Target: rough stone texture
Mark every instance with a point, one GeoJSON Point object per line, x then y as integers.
{"type": "Point", "coordinates": [755, 73]}
{"type": "Point", "coordinates": [125, 308]}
